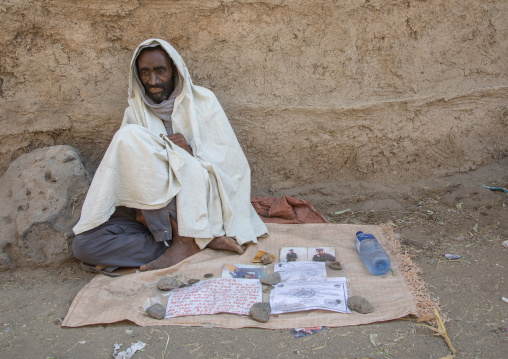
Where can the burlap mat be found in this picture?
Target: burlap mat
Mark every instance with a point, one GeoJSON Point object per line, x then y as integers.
{"type": "Point", "coordinates": [109, 300]}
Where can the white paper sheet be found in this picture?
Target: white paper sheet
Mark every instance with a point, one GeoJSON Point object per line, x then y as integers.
{"type": "Point", "coordinates": [221, 295]}
{"type": "Point", "coordinates": [299, 296]}
{"type": "Point", "coordinates": [301, 271]}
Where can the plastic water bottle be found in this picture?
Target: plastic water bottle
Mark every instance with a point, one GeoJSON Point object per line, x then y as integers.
{"type": "Point", "coordinates": [374, 256]}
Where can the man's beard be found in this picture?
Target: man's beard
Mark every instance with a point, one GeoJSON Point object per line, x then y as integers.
{"type": "Point", "coordinates": [161, 96]}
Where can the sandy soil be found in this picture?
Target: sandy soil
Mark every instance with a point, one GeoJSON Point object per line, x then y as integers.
{"type": "Point", "coordinates": [431, 224]}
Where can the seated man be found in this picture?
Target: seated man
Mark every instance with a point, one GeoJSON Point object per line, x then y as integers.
{"type": "Point", "coordinates": [291, 256]}
{"type": "Point", "coordinates": [174, 179]}
{"type": "Point", "coordinates": [321, 256]}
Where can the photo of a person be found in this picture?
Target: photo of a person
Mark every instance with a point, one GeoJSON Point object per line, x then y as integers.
{"type": "Point", "coordinates": [291, 256]}
{"type": "Point", "coordinates": [294, 254]}
{"type": "Point", "coordinates": [321, 256]}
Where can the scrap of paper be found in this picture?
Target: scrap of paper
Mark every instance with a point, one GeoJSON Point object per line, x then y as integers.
{"type": "Point", "coordinates": [297, 296]}
{"type": "Point", "coordinates": [221, 295]}
{"type": "Point", "coordinates": [300, 333]}
{"type": "Point", "coordinates": [301, 271]}
{"type": "Point", "coordinates": [129, 353]}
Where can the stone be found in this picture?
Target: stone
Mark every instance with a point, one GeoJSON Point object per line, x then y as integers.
{"type": "Point", "coordinates": [193, 281]}
{"type": "Point", "coordinates": [156, 311]}
{"type": "Point", "coordinates": [266, 259]}
{"type": "Point", "coordinates": [168, 283]}
{"type": "Point", "coordinates": [260, 312]}
{"type": "Point", "coordinates": [208, 275]}
{"type": "Point", "coordinates": [41, 194]}
{"type": "Point", "coordinates": [334, 265]}
{"type": "Point", "coordinates": [359, 304]}
{"type": "Point", "coordinates": [271, 279]}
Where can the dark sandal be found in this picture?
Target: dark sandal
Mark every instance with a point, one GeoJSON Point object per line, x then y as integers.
{"type": "Point", "coordinates": [109, 271]}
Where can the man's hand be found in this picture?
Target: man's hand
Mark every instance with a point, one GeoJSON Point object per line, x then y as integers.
{"type": "Point", "coordinates": [179, 140]}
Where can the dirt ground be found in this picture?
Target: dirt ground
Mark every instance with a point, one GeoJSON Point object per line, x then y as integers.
{"type": "Point", "coordinates": [434, 217]}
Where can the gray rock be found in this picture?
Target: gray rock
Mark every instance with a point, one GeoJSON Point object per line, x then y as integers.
{"type": "Point", "coordinates": [334, 265]}
{"type": "Point", "coordinates": [168, 283]}
{"type": "Point", "coordinates": [260, 312]}
{"type": "Point", "coordinates": [266, 259]}
{"type": "Point", "coordinates": [41, 194]}
{"type": "Point", "coordinates": [271, 279]}
{"type": "Point", "coordinates": [360, 304]}
{"type": "Point", "coordinates": [156, 311]}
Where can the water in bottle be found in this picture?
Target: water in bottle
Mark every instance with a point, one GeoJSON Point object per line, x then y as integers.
{"type": "Point", "coordinates": [374, 256]}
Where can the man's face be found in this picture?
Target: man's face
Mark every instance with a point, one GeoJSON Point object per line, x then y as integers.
{"type": "Point", "coordinates": [321, 252]}
{"type": "Point", "coordinates": [156, 74]}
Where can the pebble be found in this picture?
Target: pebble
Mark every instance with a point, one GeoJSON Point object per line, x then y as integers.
{"type": "Point", "coordinates": [167, 283]}
{"type": "Point", "coordinates": [271, 279]}
{"type": "Point", "coordinates": [156, 311]}
{"type": "Point", "coordinates": [193, 281]}
{"type": "Point", "coordinates": [260, 312]}
{"type": "Point", "coordinates": [360, 304]}
{"type": "Point", "coordinates": [334, 265]}
{"type": "Point", "coordinates": [266, 259]}
{"type": "Point", "coordinates": [208, 275]}
{"type": "Point", "coordinates": [268, 289]}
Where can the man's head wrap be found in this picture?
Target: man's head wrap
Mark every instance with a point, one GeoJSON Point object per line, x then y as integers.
{"type": "Point", "coordinates": [164, 109]}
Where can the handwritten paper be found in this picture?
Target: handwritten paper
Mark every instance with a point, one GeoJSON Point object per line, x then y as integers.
{"type": "Point", "coordinates": [221, 295]}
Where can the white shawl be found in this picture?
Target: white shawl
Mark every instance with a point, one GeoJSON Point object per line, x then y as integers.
{"type": "Point", "coordinates": [141, 170]}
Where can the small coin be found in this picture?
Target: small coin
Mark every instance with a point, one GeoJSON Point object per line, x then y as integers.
{"type": "Point", "coordinates": [208, 275]}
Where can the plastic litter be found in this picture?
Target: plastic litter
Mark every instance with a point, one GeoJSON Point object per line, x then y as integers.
{"type": "Point", "coordinates": [452, 256]}
{"type": "Point", "coordinates": [374, 339]}
{"type": "Point", "coordinates": [496, 188]}
{"type": "Point", "coordinates": [129, 353]}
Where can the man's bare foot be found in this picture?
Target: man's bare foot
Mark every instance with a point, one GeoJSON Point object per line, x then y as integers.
{"type": "Point", "coordinates": [176, 253]}
{"type": "Point", "coordinates": [226, 243]}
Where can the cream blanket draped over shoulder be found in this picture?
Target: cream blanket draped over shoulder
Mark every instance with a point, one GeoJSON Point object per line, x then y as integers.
{"type": "Point", "coordinates": [142, 170]}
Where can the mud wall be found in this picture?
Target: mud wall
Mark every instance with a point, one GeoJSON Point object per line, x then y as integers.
{"type": "Point", "coordinates": [317, 91]}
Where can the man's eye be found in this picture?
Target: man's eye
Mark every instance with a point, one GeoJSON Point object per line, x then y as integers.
{"type": "Point", "coordinates": [160, 71]}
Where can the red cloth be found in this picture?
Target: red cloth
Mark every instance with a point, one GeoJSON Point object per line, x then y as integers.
{"type": "Point", "coordinates": [286, 210]}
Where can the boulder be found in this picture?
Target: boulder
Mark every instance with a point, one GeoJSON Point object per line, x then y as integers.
{"type": "Point", "coordinates": [41, 194]}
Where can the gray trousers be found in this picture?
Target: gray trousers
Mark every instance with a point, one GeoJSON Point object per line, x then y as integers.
{"type": "Point", "coordinates": [124, 242]}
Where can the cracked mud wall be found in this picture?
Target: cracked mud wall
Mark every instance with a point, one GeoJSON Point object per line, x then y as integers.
{"type": "Point", "coordinates": [317, 91]}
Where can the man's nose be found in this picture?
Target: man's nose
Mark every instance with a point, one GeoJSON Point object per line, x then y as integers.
{"type": "Point", "coordinates": [153, 78]}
